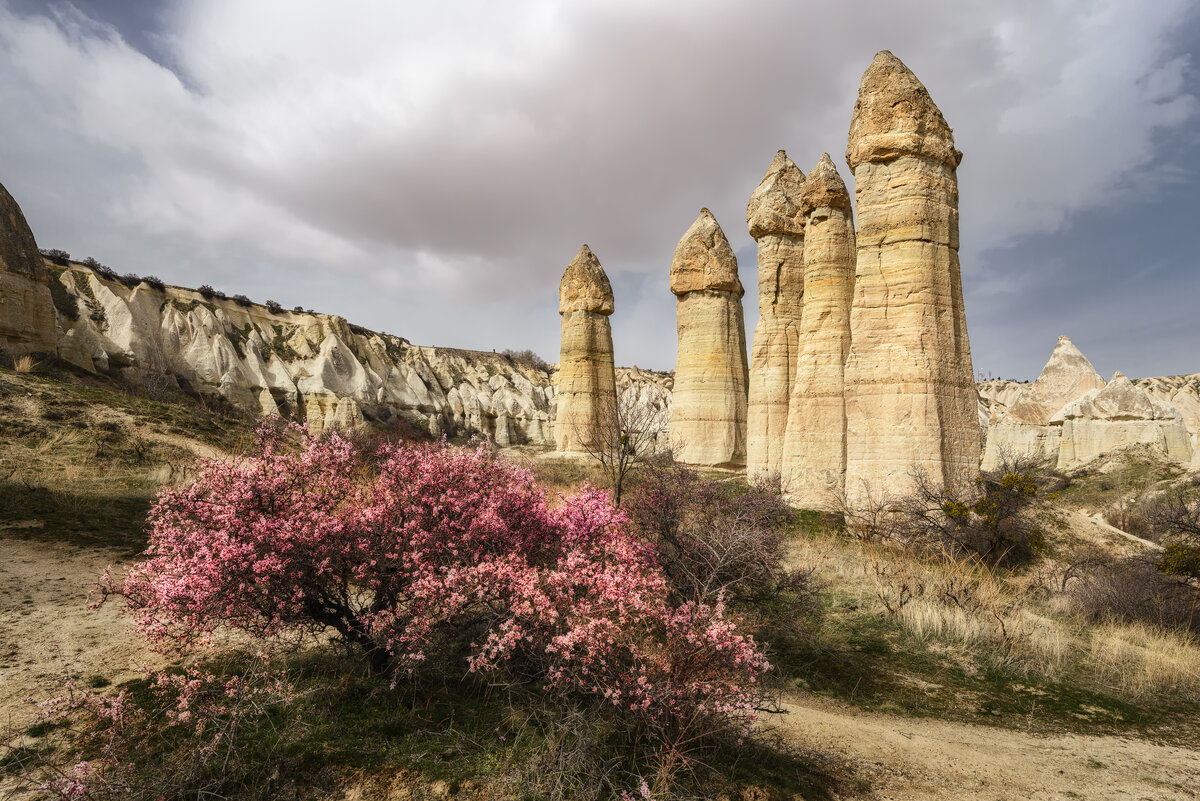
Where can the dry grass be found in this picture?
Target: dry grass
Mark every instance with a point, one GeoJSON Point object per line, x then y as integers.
{"type": "Point", "coordinates": [24, 364]}
{"type": "Point", "coordinates": [1004, 620]}
{"type": "Point", "coordinates": [1142, 659]}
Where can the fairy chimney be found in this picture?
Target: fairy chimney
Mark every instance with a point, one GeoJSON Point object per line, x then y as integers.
{"type": "Point", "coordinates": [776, 223]}
{"type": "Point", "coordinates": [587, 386]}
{"type": "Point", "coordinates": [708, 413]}
{"type": "Point", "coordinates": [814, 451]}
{"type": "Point", "coordinates": [910, 397]}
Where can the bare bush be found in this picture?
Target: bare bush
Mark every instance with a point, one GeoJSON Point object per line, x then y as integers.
{"type": "Point", "coordinates": [59, 257]}
{"type": "Point", "coordinates": [621, 436]}
{"type": "Point", "coordinates": [719, 538]}
{"type": "Point", "coordinates": [988, 518]}
{"type": "Point", "coordinates": [527, 358]}
{"type": "Point", "coordinates": [1133, 590]}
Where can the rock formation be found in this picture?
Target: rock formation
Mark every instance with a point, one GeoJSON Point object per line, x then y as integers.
{"type": "Point", "coordinates": [708, 415]}
{"type": "Point", "coordinates": [1115, 417]}
{"type": "Point", "coordinates": [814, 451]}
{"type": "Point", "coordinates": [910, 394]}
{"type": "Point", "coordinates": [1030, 427]}
{"type": "Point", "coordinates": [586, 384]}
{"type": "Point", "coordinates": [317, 368]}
{"type": "Point", "coordinates": [777, 224]}
{"type": "Point", "coordinates": [1182, 392]}
{"type": "Point", "coordinates": [27, 319]}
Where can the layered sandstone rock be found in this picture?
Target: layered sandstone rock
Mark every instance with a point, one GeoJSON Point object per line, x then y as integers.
{"type": "Point", "coordinates": [1031, 427]}
{"type": "Point", "coordinates": [644, 397]}
{"type": "Point", "coordinates": [313, 367]}
{"type": "Point", "coordinates": [586, 383]}
{"type": "Point", "coordinates": [910, 394]}
{"type": "Point", "coordinates": [708, 415]}
{"type": "Point", "coordinates": [1182, 392]}
{"type": "Point", "coordinates": [27, 317]}
{"type": "Point", "coordinates": [1115, 417]}
{"type": "Point", "coordinates": [814, 452]}
{"type": "Point", "coordinates": [777, 224]}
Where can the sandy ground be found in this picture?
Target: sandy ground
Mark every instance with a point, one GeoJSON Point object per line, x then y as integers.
{"type": "Point", "coordinates": [911, 759]}
{"type": "Point", "coordinates": [47, 628]}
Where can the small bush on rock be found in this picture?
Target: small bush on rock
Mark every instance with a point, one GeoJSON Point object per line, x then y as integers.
{"type": "Point", "coordinates": [59, 257]}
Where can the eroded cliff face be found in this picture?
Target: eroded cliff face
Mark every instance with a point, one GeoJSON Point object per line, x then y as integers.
{"type": "Point", "coordinates": [314, 367]}
{"type": "Point", "coordinates": [27, 318]}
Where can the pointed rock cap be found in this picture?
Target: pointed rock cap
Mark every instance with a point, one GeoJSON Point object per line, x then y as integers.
{"type": "Point", "coordinates": [895, 116]}
{"type": "Point", "coordinates": [704, 260]}
{"type": "Point", "coordinates": [774, 205]}
{"type": "Point", "coordinates": [18, 249]}
{"type": "Point", "coordinates": [824, 188]}
{"type": "Point", "coordinates": [1067, 376]}
{"type": "Point", "coordinates": [584, 286]}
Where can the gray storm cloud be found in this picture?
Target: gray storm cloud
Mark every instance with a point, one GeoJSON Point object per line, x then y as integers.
{"type": "Point", "coordinates": [430, 168]}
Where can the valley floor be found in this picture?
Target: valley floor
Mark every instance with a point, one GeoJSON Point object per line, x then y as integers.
{"type": "Point", "coordinates": [914, 759]}
{"type": "Point", "coordinates": [46, 628]}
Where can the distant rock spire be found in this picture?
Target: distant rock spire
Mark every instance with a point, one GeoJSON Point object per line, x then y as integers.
{"type": "Point", "coordinates": [586, 393]}
{"type": "Point", "coordinates": [774, 218]}
{"type": "Point", "coordinates": [814, 450]}
{"type": "Point", "coordinates": [708, 413]}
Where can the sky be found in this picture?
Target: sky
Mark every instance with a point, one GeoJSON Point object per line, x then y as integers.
{"type": "Point", "coordinates": [429, 169]}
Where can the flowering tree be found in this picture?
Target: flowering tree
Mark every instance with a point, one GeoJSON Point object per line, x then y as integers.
{"type": "Point", "coordinates": [418, 543]}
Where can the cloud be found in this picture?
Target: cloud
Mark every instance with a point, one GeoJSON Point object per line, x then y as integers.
{"type": "Point", "coordinates": [448, 159]}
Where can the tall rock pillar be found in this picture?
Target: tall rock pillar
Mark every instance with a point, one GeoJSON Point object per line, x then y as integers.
{"type": "Point", "coordinates": [587, 385]}
{"type": "Point", "coordinates": [776, 223]}
{"type": "Point", "coordinates": [708, 411]}
{"type": "Point", "coordinates": [814, 450]}
{"type": "Point", "coordinates": [910, 398]}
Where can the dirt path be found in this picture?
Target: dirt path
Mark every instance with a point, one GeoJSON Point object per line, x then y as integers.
{"type": "Point", "coordinates": [45, 624]}
{"type": "Point", "coordinates": [46, 627]}
{"type": "Point", "coordinates": [913, 759]}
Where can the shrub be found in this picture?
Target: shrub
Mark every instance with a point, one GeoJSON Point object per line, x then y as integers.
{"type": "Point", "coordinates": [273, 307]}
{"type": "Point", "coordinates": [154, 282]}
{"type": "Point", "coordinates": [989, 518]}
{"type": "Point", "coordinates": [416, 552]}
{"type": "Point", "coordinates": [527, 358]}
{"type": "Point", "coordinates": [1133, 590]}
{"type": "Point", "coordinates": [208, 293]}
{"type": "Point", "coordinates": [722, 539]}
{"type": "Point", "coordinates": [66, 303]}
{"type": "Point", "coordinates": [102, 270]}
{"type": "Point", "coordinates": [242, 300]}
{"type": "Point", "coordinates": [298, 309]}
{"type": "Point", "coordinates": [130, 279]}
{"type": "Point", "coordinates": [1174, 519]}
{"type": "Point", "coordinates": [59, 257]}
